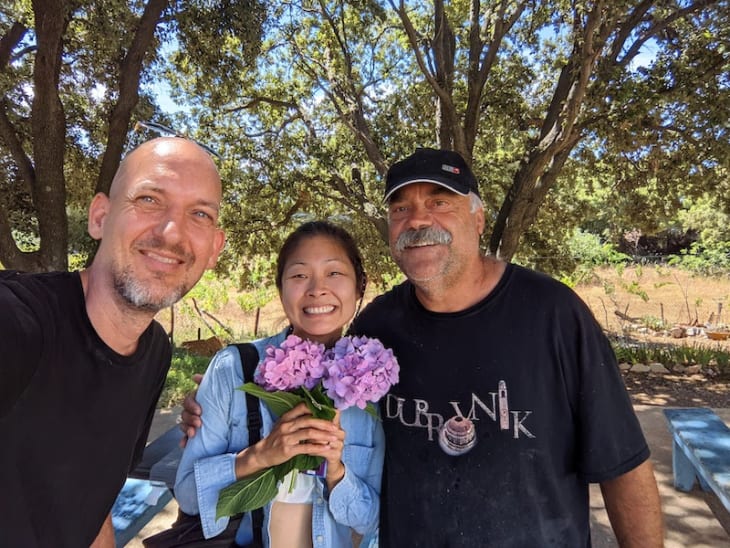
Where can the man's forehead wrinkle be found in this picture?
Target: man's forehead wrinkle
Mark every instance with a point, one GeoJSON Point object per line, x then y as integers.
{"type": "Point", "coordinates": [434, 190]}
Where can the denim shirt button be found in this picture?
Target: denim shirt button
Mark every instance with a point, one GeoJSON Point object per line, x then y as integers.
{"type": "Point", "coordinates": [320, 539]}
{"type": "Point", "coordinates": [320, 500]}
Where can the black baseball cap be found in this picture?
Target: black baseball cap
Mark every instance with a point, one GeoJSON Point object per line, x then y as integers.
{"type": "Point", "coordinates": [429, 165]}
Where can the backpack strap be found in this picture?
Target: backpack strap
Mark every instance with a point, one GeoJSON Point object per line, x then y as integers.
{"type": "Point", "coordinates": [249, 361]}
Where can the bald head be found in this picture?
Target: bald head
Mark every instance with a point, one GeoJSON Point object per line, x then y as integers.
{"type": "Point", "coordinates": [159, 224]}
{"type": "Point", "coordinates": [163, 150]}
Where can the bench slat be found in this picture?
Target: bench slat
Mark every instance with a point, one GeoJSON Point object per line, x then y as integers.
{"type": "Point", "coordinates": [701, 449]}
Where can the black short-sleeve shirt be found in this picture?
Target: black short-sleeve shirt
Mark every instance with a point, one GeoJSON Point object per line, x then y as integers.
{"type": "Point", "coordinates": [503, 414]}
{"type": "Point", "coordinates": [74, 414]}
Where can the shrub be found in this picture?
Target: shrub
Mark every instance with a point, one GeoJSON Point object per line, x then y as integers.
{"type": "Point", "coordinates": [707, 259]}
{"type": "Point", "coordinates": [669, 355]}
{"type": "Point", "coordinates": [180, 377]}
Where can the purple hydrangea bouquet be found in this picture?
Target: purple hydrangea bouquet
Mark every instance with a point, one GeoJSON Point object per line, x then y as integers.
{"type": "Point", "coordinates": [355, 371]}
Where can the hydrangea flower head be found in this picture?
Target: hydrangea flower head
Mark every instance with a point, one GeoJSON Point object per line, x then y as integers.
{"type": "Point", "coordinates": [359, 370]}
{"type": "Point", "coordinates": [294, 363]}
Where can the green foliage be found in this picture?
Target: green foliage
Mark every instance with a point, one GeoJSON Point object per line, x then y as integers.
{"type": "Point", "coordinates": [705, 216]}
{"type": "Point", "coordinates": [224, 36]}
{"type": "Point", "coordinates": [211, 292]}
{"type": "Point", "coordinates": [357, 98]}
{"type": "Point", "coordinates": [258, 489]}
{"type": "Point", "coordinates": [710, 254]}
{"type": "Point", "coordinates": [81, 245]}
{"type": "Point", "coordinates": [256, 298]}
{"type": "Point", "coordinates": [669, 355]}
{"type": "Point", "coordinates": [708, 259]}
{"type": "Point", "coordinates": [588, 252]}
{"type": "Point", "coordinates": [180, 377]}
{"type": "Point", "coordinates": [310, 106]}
{"type": "Point", "coordinates": [248, 493]}
{"type": "Point", "coordinates": [88, 103]}
{"type": "Point", "coordinates": [634, 288]}
{"type": "Point", "coordinates": [77, 261]}
{"type": "Point", "coordinates": [587, 248]}
{"type": "Point", "coordinates": [653, 323]}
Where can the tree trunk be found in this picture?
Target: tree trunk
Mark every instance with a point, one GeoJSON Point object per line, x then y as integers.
{"type": "Point", "coordinates": [444, 49]}
{"type": "Point", "coordinates": [519, 209]}
{"type": "Point", "coordinates": [48, 189]}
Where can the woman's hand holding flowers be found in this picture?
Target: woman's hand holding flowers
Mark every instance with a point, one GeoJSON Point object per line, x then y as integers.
{"type": "Point", "coordinates": [307, 385]}
{"type": "Point", "coordinates": [296, 432]}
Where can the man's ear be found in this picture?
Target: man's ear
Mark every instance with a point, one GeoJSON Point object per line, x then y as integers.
{"type": "Point", "coordinates": [219, 240]}
{"type": "Point", "coordinates": [98, 210]}
{"type": "Point", "coordinates": [480, 220]}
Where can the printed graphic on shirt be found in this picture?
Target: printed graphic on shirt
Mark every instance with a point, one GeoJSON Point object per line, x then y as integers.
{"type": "Point", "coordinates": [458, 434]}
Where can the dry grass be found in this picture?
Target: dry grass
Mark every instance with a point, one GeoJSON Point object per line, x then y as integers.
{"type": "Point", "coordinates": [673, 296]}
{"type": "Point", "coordinates": [679, 296]}
{"type": "Point", "coordinates": [650, 295]}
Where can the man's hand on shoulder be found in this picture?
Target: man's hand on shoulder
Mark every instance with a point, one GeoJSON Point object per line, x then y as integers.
{"type": "Point", "coordinates": [190, 418]}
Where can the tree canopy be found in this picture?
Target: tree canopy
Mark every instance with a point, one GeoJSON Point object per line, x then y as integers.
{"type": "Point", "coordinates": [561, 108]}
{"type": "Point", "coordinates": [602, 115]}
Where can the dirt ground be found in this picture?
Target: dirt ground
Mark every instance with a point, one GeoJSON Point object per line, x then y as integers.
{"type": "Point", "coordinates": [648, 296]}
{"type": "Point", "coordinates": [677, 390]}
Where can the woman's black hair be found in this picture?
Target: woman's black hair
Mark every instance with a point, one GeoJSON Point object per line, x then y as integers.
{"type": "Point", "coordinates": [338, 234]}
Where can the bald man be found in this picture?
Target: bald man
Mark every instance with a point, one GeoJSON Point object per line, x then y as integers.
{"type": "Point", "coordinates": [83, 361]}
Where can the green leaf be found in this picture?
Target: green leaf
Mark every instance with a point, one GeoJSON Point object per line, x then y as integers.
{"type": "Point", "coordinates": [247, 494]}
{"type": "Point", "coordinates": [258, 489]}
{"type": "Point", "coordinates": [300, 462]}
{"type": "Point", "coordinates": [370, 408]}
{"type": "Point", "coordinates": [279, 402]}
{"type": "Point", "coordinates": [319, 403]}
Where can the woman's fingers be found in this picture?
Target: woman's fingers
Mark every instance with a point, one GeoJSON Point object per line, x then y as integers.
{"type": "Point", "coordinates": [297, 432]}
{"type": "Point", "coordinates": [298, 410]}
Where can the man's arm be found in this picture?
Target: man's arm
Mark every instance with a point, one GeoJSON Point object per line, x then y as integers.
{"type": "Point", "coordinates": [105, 538]}
{"type": "Point", "coordinates": [190, 419]}
{"type": "Point", "coordinates": [634, 508]}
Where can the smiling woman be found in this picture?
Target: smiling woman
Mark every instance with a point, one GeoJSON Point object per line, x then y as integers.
{"type": "Point", "coordinates": [318, 290]}
{"type": "Point", "coordinates": [320, 279]}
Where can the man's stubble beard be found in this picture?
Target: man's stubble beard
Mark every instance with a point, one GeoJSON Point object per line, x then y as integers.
{"type": "Point", "coordinates": [140, 296]}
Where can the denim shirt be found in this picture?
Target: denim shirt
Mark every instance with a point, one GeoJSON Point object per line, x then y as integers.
{"type": "Point", "coordinates": [208, 462]}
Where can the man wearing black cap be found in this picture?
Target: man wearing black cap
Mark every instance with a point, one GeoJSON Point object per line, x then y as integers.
{"type": "Point", "coordinates": [510, 401]}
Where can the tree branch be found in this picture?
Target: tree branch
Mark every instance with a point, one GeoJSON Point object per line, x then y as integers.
{"type": "Point", "coordinates": [129, 76]}
{"type": "Point", "coordinates": [481, 63]}
{"type": "Point", "coordinates": [8, 42]}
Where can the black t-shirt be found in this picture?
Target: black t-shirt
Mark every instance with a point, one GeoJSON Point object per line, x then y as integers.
{"type": "Point", "coordinates": [503, 414]}
{"type": "Point", "coordinates": [74, 414]}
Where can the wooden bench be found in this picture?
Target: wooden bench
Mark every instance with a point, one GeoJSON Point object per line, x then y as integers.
{"type": "Point", "coordinates": [700, 451]}
{"type": "Point", "coordinates": [148, 488]}
{"type": "Point", "coordinates": [160, 459]}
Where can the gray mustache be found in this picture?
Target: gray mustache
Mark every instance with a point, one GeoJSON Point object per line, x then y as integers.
{"type": "Point", "coordinates": [423, 236]}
